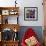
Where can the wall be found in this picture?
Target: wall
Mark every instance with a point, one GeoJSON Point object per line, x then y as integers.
{"type": "Point", "coordinates": [32, 3]}
{"type": "Point", "coordinates": [26, 3]}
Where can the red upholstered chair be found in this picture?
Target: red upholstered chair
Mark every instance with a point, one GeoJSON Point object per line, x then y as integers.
{"type": "Point", "coordinates": [29, 34]}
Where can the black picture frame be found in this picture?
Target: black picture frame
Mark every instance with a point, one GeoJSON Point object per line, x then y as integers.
{"type": "Point", "coordinates": [30, 13]}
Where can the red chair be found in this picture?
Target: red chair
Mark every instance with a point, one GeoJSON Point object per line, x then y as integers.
{"type": "Point", "coordinates": [29, 33]}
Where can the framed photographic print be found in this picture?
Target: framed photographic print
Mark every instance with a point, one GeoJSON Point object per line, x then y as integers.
{"type": "Point", "coordinates": [13, 12]}
{"type": "Point", "coordinates": [13, 20]}
{"type": "Point", "coordinates": [5, 12]}
{"type": "Point", "coordinates": [5, 20]}
{"type": "Point", "coordinates": [30, 13]}
{"type": "Point", "coordinates": [7, 34]}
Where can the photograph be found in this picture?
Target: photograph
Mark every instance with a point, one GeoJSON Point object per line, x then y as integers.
{"type": "Point", "coordinates": [30, 13]}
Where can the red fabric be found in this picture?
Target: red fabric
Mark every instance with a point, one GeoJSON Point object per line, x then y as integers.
{"type": "Point", "coordinates": [29, 33]}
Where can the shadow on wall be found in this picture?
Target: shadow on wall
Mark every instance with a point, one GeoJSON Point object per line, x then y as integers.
{"type": "Point", "coordinates": [37, 29]}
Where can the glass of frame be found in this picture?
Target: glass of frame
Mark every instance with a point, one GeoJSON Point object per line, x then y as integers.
{"type": "Point", "coordinates": [5, 12]}
{"type": "Point", "coordinates": [10, 20]}
{"type": "Point", "coordinates": [8, 34]}
{"type": "Point", "coordinates": [30, 13]}
{"type": "Point", "coordinates": [13, 20]}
